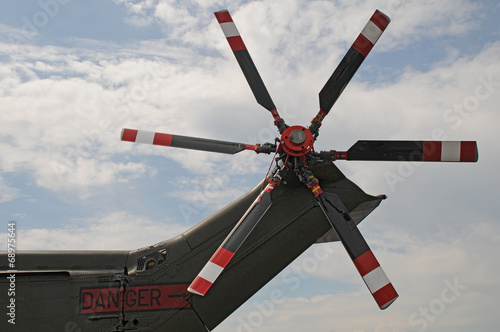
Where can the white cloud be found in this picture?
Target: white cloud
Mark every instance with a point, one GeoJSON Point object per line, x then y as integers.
{"type": "Point", "coordinates": [113, 231]}
{"type": "Point", "coordinates": [414, 20]}
{"type": "Point", "coordinates": [65, 112]}
{"type": "Point", "coordinates": [280, 25]}
{"type": "Point", "coordinates": [58, 128]}
{"type": "Point", "coordinates": [7, 193]}
{"type": "Point", "coordinates": [70, 104]}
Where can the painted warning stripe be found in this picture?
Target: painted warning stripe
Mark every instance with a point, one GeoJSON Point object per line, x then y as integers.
{"type": "Point", "coordinates": [366, 263]}
{"type": "Point", "coordinates": [376, 280]}
{"type": "Point", "coordinates": [371, 33]}
{"type": "Point", "coordinates": [236, 43]}
{"type": "Point", "coordinates": [146, 137]}
{"type": "Point", "coordinates": [452, 151]}
{"type": "Point", "coordinates": [230, 31]}
{"type": "Point", "coordinates": [385, 296]}
{"type": "Point", "coordinates": [223, 16]}
{"type": "Point", "coordinates": [199, 286]}
{"type": "Point", "coordinates": [468, 151]}
{"type": "Point", "coordinates": [129, 135]}
{"type": "Point", "coordinates": [211, 271]}
{"type": "Point", "coordinates": [162, 139]}
{"type": "Point", "coordinates": [216, 264]}
{"type": "Point", "coordinates": [222, 257]}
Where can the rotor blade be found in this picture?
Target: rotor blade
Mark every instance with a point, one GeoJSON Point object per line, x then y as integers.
{"type": "Point", "coordinates": [193, 143]}
{"type": "Point", "coordinates": [453, 151]}
{"type": "Point", "coordinates": [214, 267]}
{"type": "Point", "coordinates": [368, 267]}
{"type": "Point", "coordinates": [349, 65]}
{"type": "Point", "coordinates": [247, 66]}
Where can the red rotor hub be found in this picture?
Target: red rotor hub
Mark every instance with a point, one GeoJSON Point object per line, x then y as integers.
{"type": "Point", "coordinates": [297, 141]}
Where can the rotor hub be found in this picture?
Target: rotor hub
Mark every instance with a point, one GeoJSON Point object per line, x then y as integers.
{"type": "Point", "coordinates": [297, 141]}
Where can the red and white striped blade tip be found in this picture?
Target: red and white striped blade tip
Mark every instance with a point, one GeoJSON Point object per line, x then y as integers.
{"type": "Point", "coordinates": [371, 33]}
{"type": "Point", "coordinates": [450, 151]}
{"type": "Point", "coordinates": [210, 272]}
{"type": "Point", "coordinates": [385, 296]}
{"type": "Point", "coordinates": [375, 279]}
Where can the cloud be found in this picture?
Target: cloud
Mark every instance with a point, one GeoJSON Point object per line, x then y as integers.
{"type": "Point", "coordinates": [57, 129]}
{"type": "Point", "coordinates": [65, 109]}
{"type": "Point", "coordinates": [112, 231]}
{"type": "Point", "coordinates": [415, 20]}
{"type": "Point", "coordinates": [70, 103]}
{"type": "Point", "coordinates": [7, 193]}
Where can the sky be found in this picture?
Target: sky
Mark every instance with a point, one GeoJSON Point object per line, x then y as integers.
{"type": "Point", "coordinates": [74, 73]}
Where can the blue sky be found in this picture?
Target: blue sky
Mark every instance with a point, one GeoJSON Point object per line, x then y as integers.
{"type": "Point", "coordinates": [73, 73]}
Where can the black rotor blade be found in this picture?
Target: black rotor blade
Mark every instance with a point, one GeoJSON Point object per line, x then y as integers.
{"type": "Point", "coordinates": [214, 267]}
{"type": "Point", "coordinates": [349, 65]}
{"type": "Point", "coordinates": [448, 151]}
{"type": "Point", "coordinates": [247, 66]}
{"type": "Point", "coordinates": [193, 143]}
{"type": "Point", "coordinates": [368, 267]}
